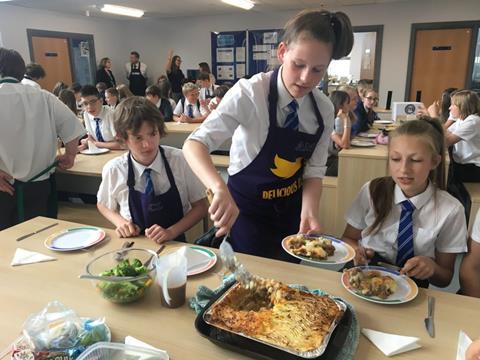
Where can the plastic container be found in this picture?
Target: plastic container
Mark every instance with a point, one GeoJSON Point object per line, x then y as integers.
{"type": "Point", "coordinates": [123, 291]}
{"type": "Point", "coordinates": [117, 351]}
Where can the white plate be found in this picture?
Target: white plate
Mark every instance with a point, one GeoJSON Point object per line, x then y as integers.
{"type": "Point", "coordinates": [362, 143]}
{"type": "Point", "coordinates": [407, 290]}
{"type": "Point", "coordinates": [368, 135]}
{"type": "Point", "coordinates": [75, 239]}
{"type": "Point", "coordinates": [210, 259]}
{"type": "Point", "coordinates": [343, 252]}
{"type": "Point", "coordinates": [96, 152]}
{"type": "Point", "coordinates": [383, 122]}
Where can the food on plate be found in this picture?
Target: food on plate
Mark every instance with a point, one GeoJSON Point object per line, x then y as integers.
{"type": "Point", "coordinates": [371, 282]}
{"type": "Point", "coordinates": [279, 315]}
{"type": "Point", "coordinates": [315, 247]}
{"type": "Point", "coordinates": [129, 290]}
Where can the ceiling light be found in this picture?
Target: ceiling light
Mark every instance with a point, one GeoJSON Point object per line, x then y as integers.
{"type": "Point", "coordinates": [122, 10]}
{"type": "Point", "coordinates": [244, 4]}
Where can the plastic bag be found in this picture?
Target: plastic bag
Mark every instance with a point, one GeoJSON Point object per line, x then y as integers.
{"type": "Point", "coordinates": [58, 329]}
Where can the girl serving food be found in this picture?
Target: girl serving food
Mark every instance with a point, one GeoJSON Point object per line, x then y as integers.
{"type": "Point", "coordinates": [281, 125]}
{"type": "Point", "coordinates": [407, 219]}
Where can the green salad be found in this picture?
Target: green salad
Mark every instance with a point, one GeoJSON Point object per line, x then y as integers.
{"type": "Point", "coordinates": [125, 291]}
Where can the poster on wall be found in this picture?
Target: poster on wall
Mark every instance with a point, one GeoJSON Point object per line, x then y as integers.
{"type": "Point", "coordinates": [228, 51]}
{"type": "Point", "coordinates": [262, 50]}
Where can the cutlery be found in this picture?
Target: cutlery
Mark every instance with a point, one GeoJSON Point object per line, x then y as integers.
{"type": "Point", "coordinates": [429, 319]}
{"type": "Point", "coordinates": [36, 231]}
{"type": "Point", "coordinates": [389, 266]}
{"type": "Point", "coordinates": [149, 261]}
{"type": "Point", "coordinates": [118, 256]}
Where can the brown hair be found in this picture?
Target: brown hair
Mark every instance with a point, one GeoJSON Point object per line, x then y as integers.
{"type": "Point", "coordinates": [123, 92]}
{"type": "Point", "coordinates": [131, 113]}
{"type": "Point", "coordinates": [11, 64]}
{"type": "Point", "coordinates": [467, 102]}
{"type": "Point", "coordinates": [331, 28]}
{"type": "Point", "coordinates": [103, 63]}
{"type": "Point", "coordinates": [382, 189]}
{"type": "Point", "coordinates": [112, 92]}
{"type": "Point", "coordinates": [59, 86]}
{"type": "Point", "coordinates": [68, 98]}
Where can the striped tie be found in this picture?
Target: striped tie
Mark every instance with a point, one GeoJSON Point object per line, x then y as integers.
{"type": "Point", "coordinates": [98, 132]}
{"type": "Point", "coordinates": [291, 122]}
{"type": "Point", "coordinates": [405, 233]}
{"type": "Point", "coordinates": [148, 182]}
{"type": "Point", "coordinates": [190, 110]}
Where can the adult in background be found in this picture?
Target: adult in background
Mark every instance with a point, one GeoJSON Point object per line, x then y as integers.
{"type": "Point", "coordinates": [39, 119]}
{"type": "Point", "coordinates": [175, 74]}
{"type": "Point", "coordinates": [137, 74]}
{"type": "Point", "coordinates": [104, 73]}
{"type": "Point", "coordinates": [33, 73]}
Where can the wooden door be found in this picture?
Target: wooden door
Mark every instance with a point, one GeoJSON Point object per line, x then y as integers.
{"type": "Point", "coordinates": [440, 61]}
{"type": "Point", "coordinates": [53, 55]}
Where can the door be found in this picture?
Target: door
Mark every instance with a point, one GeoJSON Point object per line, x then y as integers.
{"type": "Point", "coordinates": [53, 55]}
{"type": "Point", "coordinates": [440, 61]}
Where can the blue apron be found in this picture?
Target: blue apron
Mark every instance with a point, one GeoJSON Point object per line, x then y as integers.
{"type": "Point", "coordinates": [268, 192]}
{"type": "Point", "coordinates": [138, 83]}
{"type": "Point", "coordinates": [146, 210]}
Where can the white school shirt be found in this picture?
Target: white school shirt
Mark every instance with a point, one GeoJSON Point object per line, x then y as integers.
{"type": "Point", "coordinates": [467, 150]}
{"type": "Point", "coordinates": [31, 120]}
{"type": "Point", "coordinates": [106, 124]}
{"type": "Point", "coordinates": [30, 82]}
{"type": "Point", "coordinates": [243, 114]}
{"type": "Point", "coordinates": [203, 92]}
{"type": "Point", "coordinates": [113, 191]}
{"type": "Point", "coordinates": [143, 69]}
{"type": "Point", "coordinates": [476, 228]}
{"type": "Point", "coordinates": [438, 223]}
{"type": "Point", "coordinates": [196, 111]}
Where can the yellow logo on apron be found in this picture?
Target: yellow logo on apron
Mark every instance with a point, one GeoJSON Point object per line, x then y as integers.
{"type": "Point", "coordinates": [286, 169]}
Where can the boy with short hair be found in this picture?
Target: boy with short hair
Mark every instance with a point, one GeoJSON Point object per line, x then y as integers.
{"type": "Point", "coordinates": [188, 109]}
{"type": "Point", "coordinates": [33, 73]}
{"type": "Point", "coordinates": [98, 121]}
{"type": "Point", "coordinates": [150, 189]}
{"type": "Point", "coordinates": [154, 94]}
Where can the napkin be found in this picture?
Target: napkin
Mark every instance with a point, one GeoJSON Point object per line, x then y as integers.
{"type": "Point", "coordinates": [195, 259]}
{"type": "Point", "coordinates": [463, 343]}
{"type": "Point", "coordinates": [130, 340]}
{"type": "Point", "coordinates": [23, 257]}
{"type": "Point", "coordinates": [92, 147]}
{"type": "Point", "coordinates": [391, 344]}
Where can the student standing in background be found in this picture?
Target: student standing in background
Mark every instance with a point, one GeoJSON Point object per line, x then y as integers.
{"type": "Point", "coordinates": [33, 73]}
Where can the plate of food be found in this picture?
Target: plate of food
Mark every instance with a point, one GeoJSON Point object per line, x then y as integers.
{"type": "Point", "coordinates": [75, 238]}
{"type": "Point", "coordinates": [318, 249]}
{"type": "Point", "coordinates": [97, 151]}
{"type": "Point", "coordinates": [362, 143]}
{"type": "Point", "coordinates": [379, 285]}
{"type": "Point", "coordinates": [283, 323]}
{"type": "Point", "coordinates": [367, 135]}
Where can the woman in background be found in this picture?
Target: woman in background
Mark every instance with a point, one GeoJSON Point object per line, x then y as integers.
{"type": "Point", "coordinates": [104, 73]}
{"type": "Point", "coordinates": [175, 74]}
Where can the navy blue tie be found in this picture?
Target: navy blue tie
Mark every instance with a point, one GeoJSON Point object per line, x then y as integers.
{"type": "Point", "coordinates": [190, 110]}
{"type": "Point", "coordinates": [291, 122]}
{"type": "Point", "coordinates": [98, 132]}
{"type": "Point", "coordinates": [149, 190]}
{"type": "Point", "coordinates": [405, 233]}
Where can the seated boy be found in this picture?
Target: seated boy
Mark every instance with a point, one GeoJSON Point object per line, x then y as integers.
{"type": "Point", "coordinates": [111, 97]}
{"type": "Point", "coordinates": [206, 87]}
{"type": "Point", "coordinates": [188, 109]}
{"type": "Point", "coordinates": [154, 94]}
{"type": "Point", "coordinates": [218, 94]}
{"type": "Point", "coordinates": [98, 120]}
{"type": "Point", "coordinates": [150, 189]}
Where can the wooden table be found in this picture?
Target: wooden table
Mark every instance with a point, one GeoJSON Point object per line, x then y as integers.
{"type": "Point", "coordinates": [27, 289]}
{"type": "Point", "coordinates": [177, 133]}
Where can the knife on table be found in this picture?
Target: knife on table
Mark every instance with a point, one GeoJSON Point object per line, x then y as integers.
{"type": "Point", "coordinates": [429, 319]}
{"type": "Point", "coordinates": [36, 231]}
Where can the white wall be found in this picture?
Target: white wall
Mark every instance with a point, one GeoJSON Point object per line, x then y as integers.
{"type": "Point", "coordinates": [107, 33]}
{"type": "Point", "coordinates": [190, 36]}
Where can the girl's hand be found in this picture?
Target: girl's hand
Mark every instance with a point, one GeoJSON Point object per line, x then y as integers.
{"type": "Point", "coordinates": [159, 234]}
{"type": "Point", "coordinates": [127, 229]}
{"type": "Point", "coordinates": [310, 225]}
{"type": "Point", "coordinates": [223, 211]}
{"type": "Point", "coordinates": [419, 267]}
{"type": "Point", "coordinates": [5, 185]}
